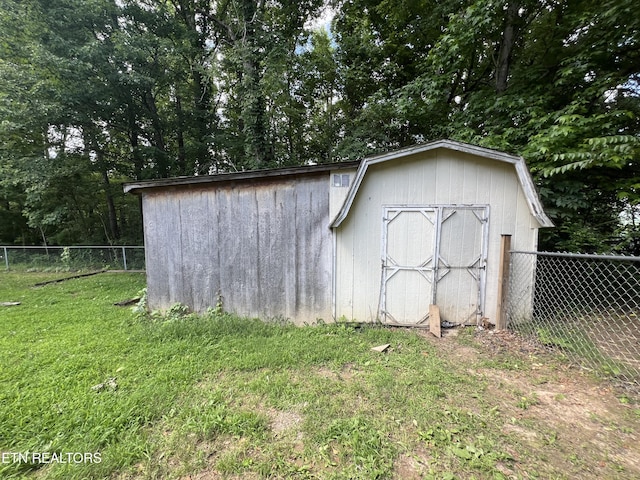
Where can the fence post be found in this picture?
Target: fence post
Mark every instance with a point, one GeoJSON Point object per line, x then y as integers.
{"type": "Point", "coordinates": [6, 257]}
{"type": "Point", "coordinates": [503, 281]}
{"type": "Point", "coordinates": [124, 258]}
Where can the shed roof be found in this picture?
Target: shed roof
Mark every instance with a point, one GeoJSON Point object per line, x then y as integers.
{"type": "Point", "coordinates": [253, 175]}
{"type": "Point", "coordinates": [522, 172]}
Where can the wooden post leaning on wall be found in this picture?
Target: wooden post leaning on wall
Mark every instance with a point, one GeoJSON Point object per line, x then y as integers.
{"type": "Point", "coordinates": [503, 281]}
{"type": "Point", "coordinates": [434, 320]}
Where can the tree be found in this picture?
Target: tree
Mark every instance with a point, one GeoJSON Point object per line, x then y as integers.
{"type": "Point", "coordinates": [554, 81]}
{"type": "Point", "coordinates": [117, 89]}
{"type": "Point", "coordinates": [319, 93]}
{"type": "Point", "coordinates": [95, 92]}
{"type": "Point", "coordinates": [59, 101]}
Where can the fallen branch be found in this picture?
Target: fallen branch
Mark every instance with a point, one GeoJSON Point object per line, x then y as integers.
{"type": "Point", "coordinates": [58, 280]}
{"type": "Point", "coordinates": [126, 303]}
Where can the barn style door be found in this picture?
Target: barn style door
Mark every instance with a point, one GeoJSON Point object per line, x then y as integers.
{"type": "Point", "coordinates": [433, 255]}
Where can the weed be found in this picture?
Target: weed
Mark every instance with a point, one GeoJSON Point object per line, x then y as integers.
{"type": "Point", "coordinates": [177, 311]}
{"type": "Point", "coordinates": [140, 308]}
{"type": "Point", "coordinates": [527, 401]}
{"type": "Point", "coordinates": [551, 438]}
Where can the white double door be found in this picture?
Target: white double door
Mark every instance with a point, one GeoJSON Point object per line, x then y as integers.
{"type": "Point", "coordinates": [433, 254]}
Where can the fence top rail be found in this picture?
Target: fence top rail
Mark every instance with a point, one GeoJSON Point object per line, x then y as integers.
{"type": "Point", "coordinates": [580, 255]}
{"type": "Point", "coordinates": [43, 247]}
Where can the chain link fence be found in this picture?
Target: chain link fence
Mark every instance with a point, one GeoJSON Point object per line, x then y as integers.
{"type": "Point", "coordinates": [585, 306]}
{"type": "Point", "coordinates": [59, 259]}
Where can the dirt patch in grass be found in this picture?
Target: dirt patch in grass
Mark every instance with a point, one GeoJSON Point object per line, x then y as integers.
{"type": "Point", "coordinates": [411, 465]}
{"type": "Point", "coordinates": [346, 373]}
{"type": "Point", "coordinates": [283, 422]}
{"type": "Point", "coordinates": [552, 412]}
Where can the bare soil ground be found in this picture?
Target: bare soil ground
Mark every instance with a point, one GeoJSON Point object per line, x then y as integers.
{"type": "Point", "coordinates": [585, 427]}
{"type": "Point", "coordinates": [617, 335]}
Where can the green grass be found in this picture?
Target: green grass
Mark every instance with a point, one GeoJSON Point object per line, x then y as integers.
{"type": "Point", "coordinates": [64, 339]}
{"type": "Point", "coordinates": [166, 397]}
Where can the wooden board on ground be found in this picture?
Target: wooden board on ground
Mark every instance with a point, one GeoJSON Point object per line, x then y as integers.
{"type": "Point", "coordinates": [381, 348]}
{"type": "Point", "coordinates": [434, 320]}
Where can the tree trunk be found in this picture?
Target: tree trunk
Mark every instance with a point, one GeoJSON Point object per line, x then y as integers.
{"type": "Point", "coordinates": [111, 207]}
{"type": "Point", "coordinates": [182, 155]}
{"type": "Point", "coordinates": [134, 142]}
{"type": "Point", "coordinates": [101, 164]}
{"type": "Point", "coordinates": [202, 98]}
{"type": "Point", "coordinates": [254, 108]}
{"type": "Point", "coordinates": [158, 136]}
{"type": "Point", "coordinates": [254, 114]}
{"type": "Point", "coordinates": [509, 38]}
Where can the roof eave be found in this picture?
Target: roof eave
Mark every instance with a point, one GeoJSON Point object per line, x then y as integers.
{"type": "Point", "coordinates": [139, 187]}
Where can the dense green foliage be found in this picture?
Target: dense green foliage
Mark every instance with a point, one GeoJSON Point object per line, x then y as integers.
{"type": "Point", "coordinates": [95, 92]}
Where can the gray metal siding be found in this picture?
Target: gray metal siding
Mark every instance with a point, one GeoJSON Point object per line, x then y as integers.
{"type": "Point", "coordinates": [263, 247]}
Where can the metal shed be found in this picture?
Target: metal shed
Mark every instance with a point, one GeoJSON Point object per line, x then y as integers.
{"type": "Point", "coordinates": [422, 226]}
{"type": "Point", "coordinates": [375, 240]}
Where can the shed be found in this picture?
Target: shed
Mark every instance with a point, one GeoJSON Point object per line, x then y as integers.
{"type": "Point", "coordinates": [376, 240]}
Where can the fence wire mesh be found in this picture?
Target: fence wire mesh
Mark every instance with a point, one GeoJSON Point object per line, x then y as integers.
{"type": "Point", "coordinates": [72, 258]}
{"type": "Point", "coordinates": [586, 306]}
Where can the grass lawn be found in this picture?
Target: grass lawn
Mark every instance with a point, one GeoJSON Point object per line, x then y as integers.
{"type": "Point", "coordinates": [208, 397]}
